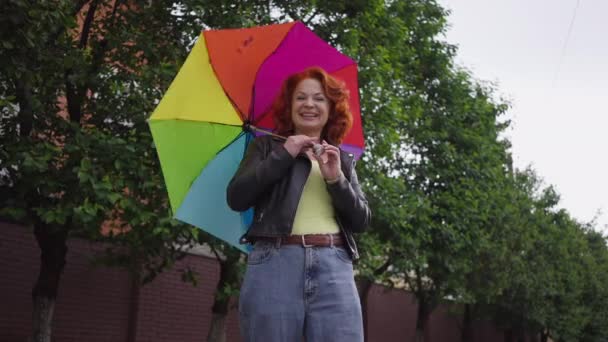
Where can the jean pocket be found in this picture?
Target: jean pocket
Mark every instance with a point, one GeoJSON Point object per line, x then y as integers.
{"type": "Point", "coordinates": [343, 255]}
{"type": "Point", "coordinates": [262, 252]}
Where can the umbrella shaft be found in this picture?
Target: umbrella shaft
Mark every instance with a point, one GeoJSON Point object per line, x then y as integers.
{"type": "Point", "coordinates": [255, 129]}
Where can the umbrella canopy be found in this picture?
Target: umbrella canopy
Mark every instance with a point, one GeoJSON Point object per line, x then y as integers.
{"type": "Point", "coordinates": [231, 77]}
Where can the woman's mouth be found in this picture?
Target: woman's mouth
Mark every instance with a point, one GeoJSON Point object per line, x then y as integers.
{"type": "Point", "coordinates": [309, 115]}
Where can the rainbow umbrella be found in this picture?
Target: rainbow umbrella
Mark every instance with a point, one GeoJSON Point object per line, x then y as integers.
{"type": "Point", "coordinates": [227, 83]}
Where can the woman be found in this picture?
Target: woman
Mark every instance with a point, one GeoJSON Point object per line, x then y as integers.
{"type": "Point", "coordinates": [307, 203]}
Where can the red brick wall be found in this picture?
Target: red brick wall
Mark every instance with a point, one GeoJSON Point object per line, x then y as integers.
{"type": "Point", "coordinates": [444, 326]}
{"type": "Point", "coordinates": [93, 302]}
{"type": "Point", "coordinates": [171, 310]}
{"type": "Point", "coordinates": [391, 315]}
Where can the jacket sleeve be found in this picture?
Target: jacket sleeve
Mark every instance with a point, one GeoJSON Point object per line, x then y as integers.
{"type": "Point", "coordinates": [256, 173]}
{"type": "Point", "coordinates": [350, 202]}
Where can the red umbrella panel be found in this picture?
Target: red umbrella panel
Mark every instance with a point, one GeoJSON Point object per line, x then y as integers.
{"type": "Point", "coordinates": [251, 64]}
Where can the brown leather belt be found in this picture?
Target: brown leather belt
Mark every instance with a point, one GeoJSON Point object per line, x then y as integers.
{"type": "Point", "coordinates": [311, 240]}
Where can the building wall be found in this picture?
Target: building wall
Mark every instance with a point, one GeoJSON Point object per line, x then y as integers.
{"type": "Point", "coordinates": [391, 315]}
{"type": "Point", "coordinates": [94, 303]}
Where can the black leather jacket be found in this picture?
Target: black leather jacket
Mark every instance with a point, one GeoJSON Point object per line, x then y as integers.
{"type": "Point", "coordinates": [271, 180]}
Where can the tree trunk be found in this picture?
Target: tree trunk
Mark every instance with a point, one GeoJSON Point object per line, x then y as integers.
{"type": "Point", "coordinates": [229, 276]}
{"type": "Point", "coordinates": [42, 319]}
{"type": "Point", "coordinates": [544, 335]}
{"type": "Point", "coordinates": [521, 335]}
{"type": "Point", "coordinates": [467, 324]}
{"type": "Point", "coordinates": [219, 310]}
{"type": "Point", "coordinates": [509, 335]}
{"type": "Point", "coordinates": [134, 306]}
{"type": "Point", "coordinates": [364, 285]}
{"type": "Point", "coordinates": [52, 261]}
{"type": "Point", "coordinates": [422, 320]}
{"type": "Point", "coordinates": [217, 330]}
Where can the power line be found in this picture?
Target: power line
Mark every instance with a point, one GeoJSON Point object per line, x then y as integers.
{"type": "Point", "coordinates": [561, 57]}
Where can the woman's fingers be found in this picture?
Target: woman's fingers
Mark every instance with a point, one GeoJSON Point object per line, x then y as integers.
{"type": "Point", "coordinates": [332, 151]}
{"type": "Point", "coordinates": [297, 143]}
{"type": "Point", "coordinates": [319, 159]}
{"type": "Point", "coordinates": [329, 161]}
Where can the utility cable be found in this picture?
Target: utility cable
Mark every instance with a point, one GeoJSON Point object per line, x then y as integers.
{"type": "Point", "coordinates": [563, 53]}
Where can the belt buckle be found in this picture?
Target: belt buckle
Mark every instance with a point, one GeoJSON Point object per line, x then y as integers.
{"type": "Point", "coordinates": [304, 242]}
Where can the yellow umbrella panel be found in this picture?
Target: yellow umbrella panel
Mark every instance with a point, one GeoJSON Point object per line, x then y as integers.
{"type": "Point", "coordinates": [194, 120]}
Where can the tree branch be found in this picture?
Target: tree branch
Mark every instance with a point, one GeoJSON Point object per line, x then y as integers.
{"type": "Point", "coordinates": [86, 26]}
{"type": "Point", "coordinates": [26, 108]}
{"type": "Point", "coordinates": [378, 271]}
{"type": "Point", "coordinates": [117, 4]}
{"type": "Point", "coordinates": [77, 8]}
{"type": "Point", "coordinates": [312, 16]}
{"type": "Point", "coordinates": [73, 98]}
{"type": "Point", "coordinates": [217, 255]}
{"type": "Point", "coordinates": [293, 16]}
{"type": "Point", "coordinates": [74, 93]}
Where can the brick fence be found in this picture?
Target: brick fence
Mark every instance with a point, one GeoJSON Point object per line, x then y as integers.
{"type": "Point", "coordinates": [94, 304]}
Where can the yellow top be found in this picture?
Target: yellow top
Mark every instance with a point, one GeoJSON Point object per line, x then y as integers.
{"type": "Point", "coordinates": [315, 214]}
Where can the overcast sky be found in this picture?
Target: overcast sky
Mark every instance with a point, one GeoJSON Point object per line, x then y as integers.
{"type": "Point", "coordinates": [556, 82]}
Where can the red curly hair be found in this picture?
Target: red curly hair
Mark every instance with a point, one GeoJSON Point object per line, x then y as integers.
{"type": "Point", "coordinates": [340, 118]}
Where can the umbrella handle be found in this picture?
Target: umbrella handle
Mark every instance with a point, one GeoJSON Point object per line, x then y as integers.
{"type": "Point", "coordinates": [318, 149]}
{"type": "Point", "coordinates": [250, 127]}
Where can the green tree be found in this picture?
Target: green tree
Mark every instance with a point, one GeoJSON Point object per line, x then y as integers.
{"type": "Point", "coordinates": [433, 156]}
{"type": "Point", "coordinates": [548, 275]}
{"type": "Point", "coordinates": [77, 83]}
{"type": "Point", "coordinates": [499, 253]}
{"type": "Point", "coordinates": [595, 293]}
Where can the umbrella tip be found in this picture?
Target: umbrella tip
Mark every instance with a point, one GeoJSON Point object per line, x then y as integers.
{"type": "Point", "coordinates": [247, 126]}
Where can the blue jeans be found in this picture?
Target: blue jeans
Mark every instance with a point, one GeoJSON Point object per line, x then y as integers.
{"type": "Point", "coordinates": [290, 291]}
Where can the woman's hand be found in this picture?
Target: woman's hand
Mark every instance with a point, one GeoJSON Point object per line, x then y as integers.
{"type": "Point", "coordinates": [296, 143]}
{"type": "Point", "coordinates": [329, 162]}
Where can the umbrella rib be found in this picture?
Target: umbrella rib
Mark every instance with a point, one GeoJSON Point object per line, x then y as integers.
{"type": "Point", "coordinates": [230, 143]}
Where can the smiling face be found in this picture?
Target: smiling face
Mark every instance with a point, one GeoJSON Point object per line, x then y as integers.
{"type": "Point", "coordinates": [309, 108]}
